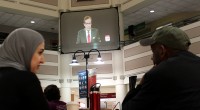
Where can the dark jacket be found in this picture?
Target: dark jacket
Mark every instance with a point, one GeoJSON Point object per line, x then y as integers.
{"type": "Point", "coordinates": [172, 85]}
{"type": "Point", "coordinates": [95, 37]}
{"type": "Point", "coordinates": [57, 105]}
{"type": "Point", "coordinates": [20, 90]}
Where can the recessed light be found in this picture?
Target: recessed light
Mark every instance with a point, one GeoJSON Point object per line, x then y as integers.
{"type": "Point", "coordinates": [32, 22]}
{"type": "Point", "coordinates": [152, 11]}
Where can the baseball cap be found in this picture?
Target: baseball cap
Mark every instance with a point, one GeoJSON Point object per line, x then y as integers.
{"type": "Point", "coordinates": [169, 36]}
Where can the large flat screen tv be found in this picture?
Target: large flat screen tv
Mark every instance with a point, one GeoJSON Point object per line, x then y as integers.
{"type": "Point", "coordinates": [91, 29]}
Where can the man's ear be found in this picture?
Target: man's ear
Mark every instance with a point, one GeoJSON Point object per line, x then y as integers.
{"type": "Point", "coordinates": [163, 52]}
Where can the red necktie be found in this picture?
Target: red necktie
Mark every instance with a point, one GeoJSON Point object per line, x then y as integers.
{"type": "Point", "coordinates": [88, 37]}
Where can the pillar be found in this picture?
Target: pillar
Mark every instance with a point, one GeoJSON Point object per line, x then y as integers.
{"type": "Point", "coordinates": [118, 76]}
{"type": "Point", "coordinates": [65, 77]}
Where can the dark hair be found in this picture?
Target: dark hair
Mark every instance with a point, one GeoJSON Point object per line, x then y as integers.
{"type": "Point", "coordinates": [52, 92]}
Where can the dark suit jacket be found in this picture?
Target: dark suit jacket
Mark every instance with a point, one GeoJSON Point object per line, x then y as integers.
{"type": "Point", "coordinates": [174, 84]}
{"type": "Point", "coordinates": [81, 37]}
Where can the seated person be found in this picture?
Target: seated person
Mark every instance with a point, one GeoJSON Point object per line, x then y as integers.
{"type": "Point", "coordinates": [52, 93]}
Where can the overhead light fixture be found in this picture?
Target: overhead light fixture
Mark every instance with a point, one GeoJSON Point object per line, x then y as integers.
{"type": "Point", "coordinates": [99, 60]}
{"type": "Point", "coordinates": [86, 56]}
{"type": "Point", "coordinates": [74, 61]}
{"type": "Point", "coordinates": [32, 22]}
{"type": "Point", "coordinates": [152, 11]}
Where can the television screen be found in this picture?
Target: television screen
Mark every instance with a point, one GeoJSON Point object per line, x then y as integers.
{"type": "Point", "coordinates": [91, 29]}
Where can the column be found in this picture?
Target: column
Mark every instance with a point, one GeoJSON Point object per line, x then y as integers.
{"type": "Point", "coordinates": [118, 69]}
{"type": "Point", "coordinates": [65, 92]}
{"type": "Point", "coordinates": [65, 77]}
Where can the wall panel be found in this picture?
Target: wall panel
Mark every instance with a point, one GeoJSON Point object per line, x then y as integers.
{"type": "Point", "coordinates": [135, 50]}
{"type": "Point", "coordinates": [138, 63]}
{"type": "Point", "coordinates": [193, 32]}
{"type": "Point", "coordinates": [100, 69]}
{"type": "Point", "coordinates": [194, 48]}
{"type": "Point", "coordinates": [51, 58]}
{"type": "Point", "coordinates": [48, 70]}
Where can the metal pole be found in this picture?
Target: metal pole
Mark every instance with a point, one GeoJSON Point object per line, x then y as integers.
{"type": "Point", "coordinates": [86, 57]}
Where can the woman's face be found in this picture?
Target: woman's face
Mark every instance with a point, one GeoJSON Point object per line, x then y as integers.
{"type": "Point", "coordinates": [38, 58]}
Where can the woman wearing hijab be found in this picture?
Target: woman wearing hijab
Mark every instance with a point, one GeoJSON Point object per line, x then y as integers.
{"type": "Point", "coordinates": [20, 57]}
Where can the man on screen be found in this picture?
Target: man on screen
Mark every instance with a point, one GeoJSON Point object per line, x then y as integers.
{"type": "Point", "coordinates": [88, 34]}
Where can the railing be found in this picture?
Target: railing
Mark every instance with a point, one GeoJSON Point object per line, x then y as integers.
{"type": "Point", "coordinates": [136, 38]}
{"type": "Point", "coordinates": [52, 47]}
{"type": "Point", "coordinates": [180, 23]}
{"type": "Point", "coordinates": [116, 105]}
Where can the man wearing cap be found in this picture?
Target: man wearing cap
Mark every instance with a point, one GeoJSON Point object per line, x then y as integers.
{"type": "Point", "coordinates": [174, 82]}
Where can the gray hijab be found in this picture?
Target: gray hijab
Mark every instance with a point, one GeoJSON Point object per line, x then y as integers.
{"type": "Point", "coordinates": [18, 48]}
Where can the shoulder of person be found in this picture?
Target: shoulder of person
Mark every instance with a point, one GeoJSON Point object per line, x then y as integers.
{"type": "Point", "coordinates": [62, 103]}
{"type": "Point", "coordinates": [16, 71]}
{"type": "Point", "coordinates": [20, 77]}
{"type": "Point", "coordinates": [25, 76]}
{"type": "Point", "coordinates": [57, 103]}
{"type": "Point", "coordinates": [94, 29]}
{"type": "Point", "coordinates": [82, 30]}
{"type": "Point", "coordinates": [157, 70]}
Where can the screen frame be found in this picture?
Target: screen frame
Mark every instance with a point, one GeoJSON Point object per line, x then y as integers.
{"type": "Point", "coordinates": [118, 47]}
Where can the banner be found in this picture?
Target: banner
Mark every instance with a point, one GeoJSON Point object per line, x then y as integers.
{"type": "Point", "coordinates": [82, 77]}
{"type": "Point", "coordinates": [85, 83]}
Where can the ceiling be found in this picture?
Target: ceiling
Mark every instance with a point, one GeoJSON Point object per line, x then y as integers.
{"type": "Point", "coordinates": [131, 16]}
{"type": "Point", "coordinates": [162, 8]}
{"type": "Point", "coordinates": [17, 20]}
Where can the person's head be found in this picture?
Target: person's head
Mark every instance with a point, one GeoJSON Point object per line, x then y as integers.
{"type": "Point", "coordinates": [23, 50]}
{"type": "Point", "coordinates": [52, 92]}
{"type": "Point", "coordinates": [87, 22]}
{"type": "Point", "coordinates": [166, 42]}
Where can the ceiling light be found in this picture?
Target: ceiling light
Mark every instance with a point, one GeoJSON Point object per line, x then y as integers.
{"type": "Point", "coordinates": [152, 11]}
{"type": "Point", "coordinates": [99, 60]}
{"type": "Point", "coordinates": [74, 63]}
{"type": "Point", "coordinates": [32, 22]}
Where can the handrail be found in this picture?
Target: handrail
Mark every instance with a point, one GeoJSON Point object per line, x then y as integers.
{"type": "Point", "coordinates": [116, 105]}
{"type": "Point", "coordinates": [179, 24]}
